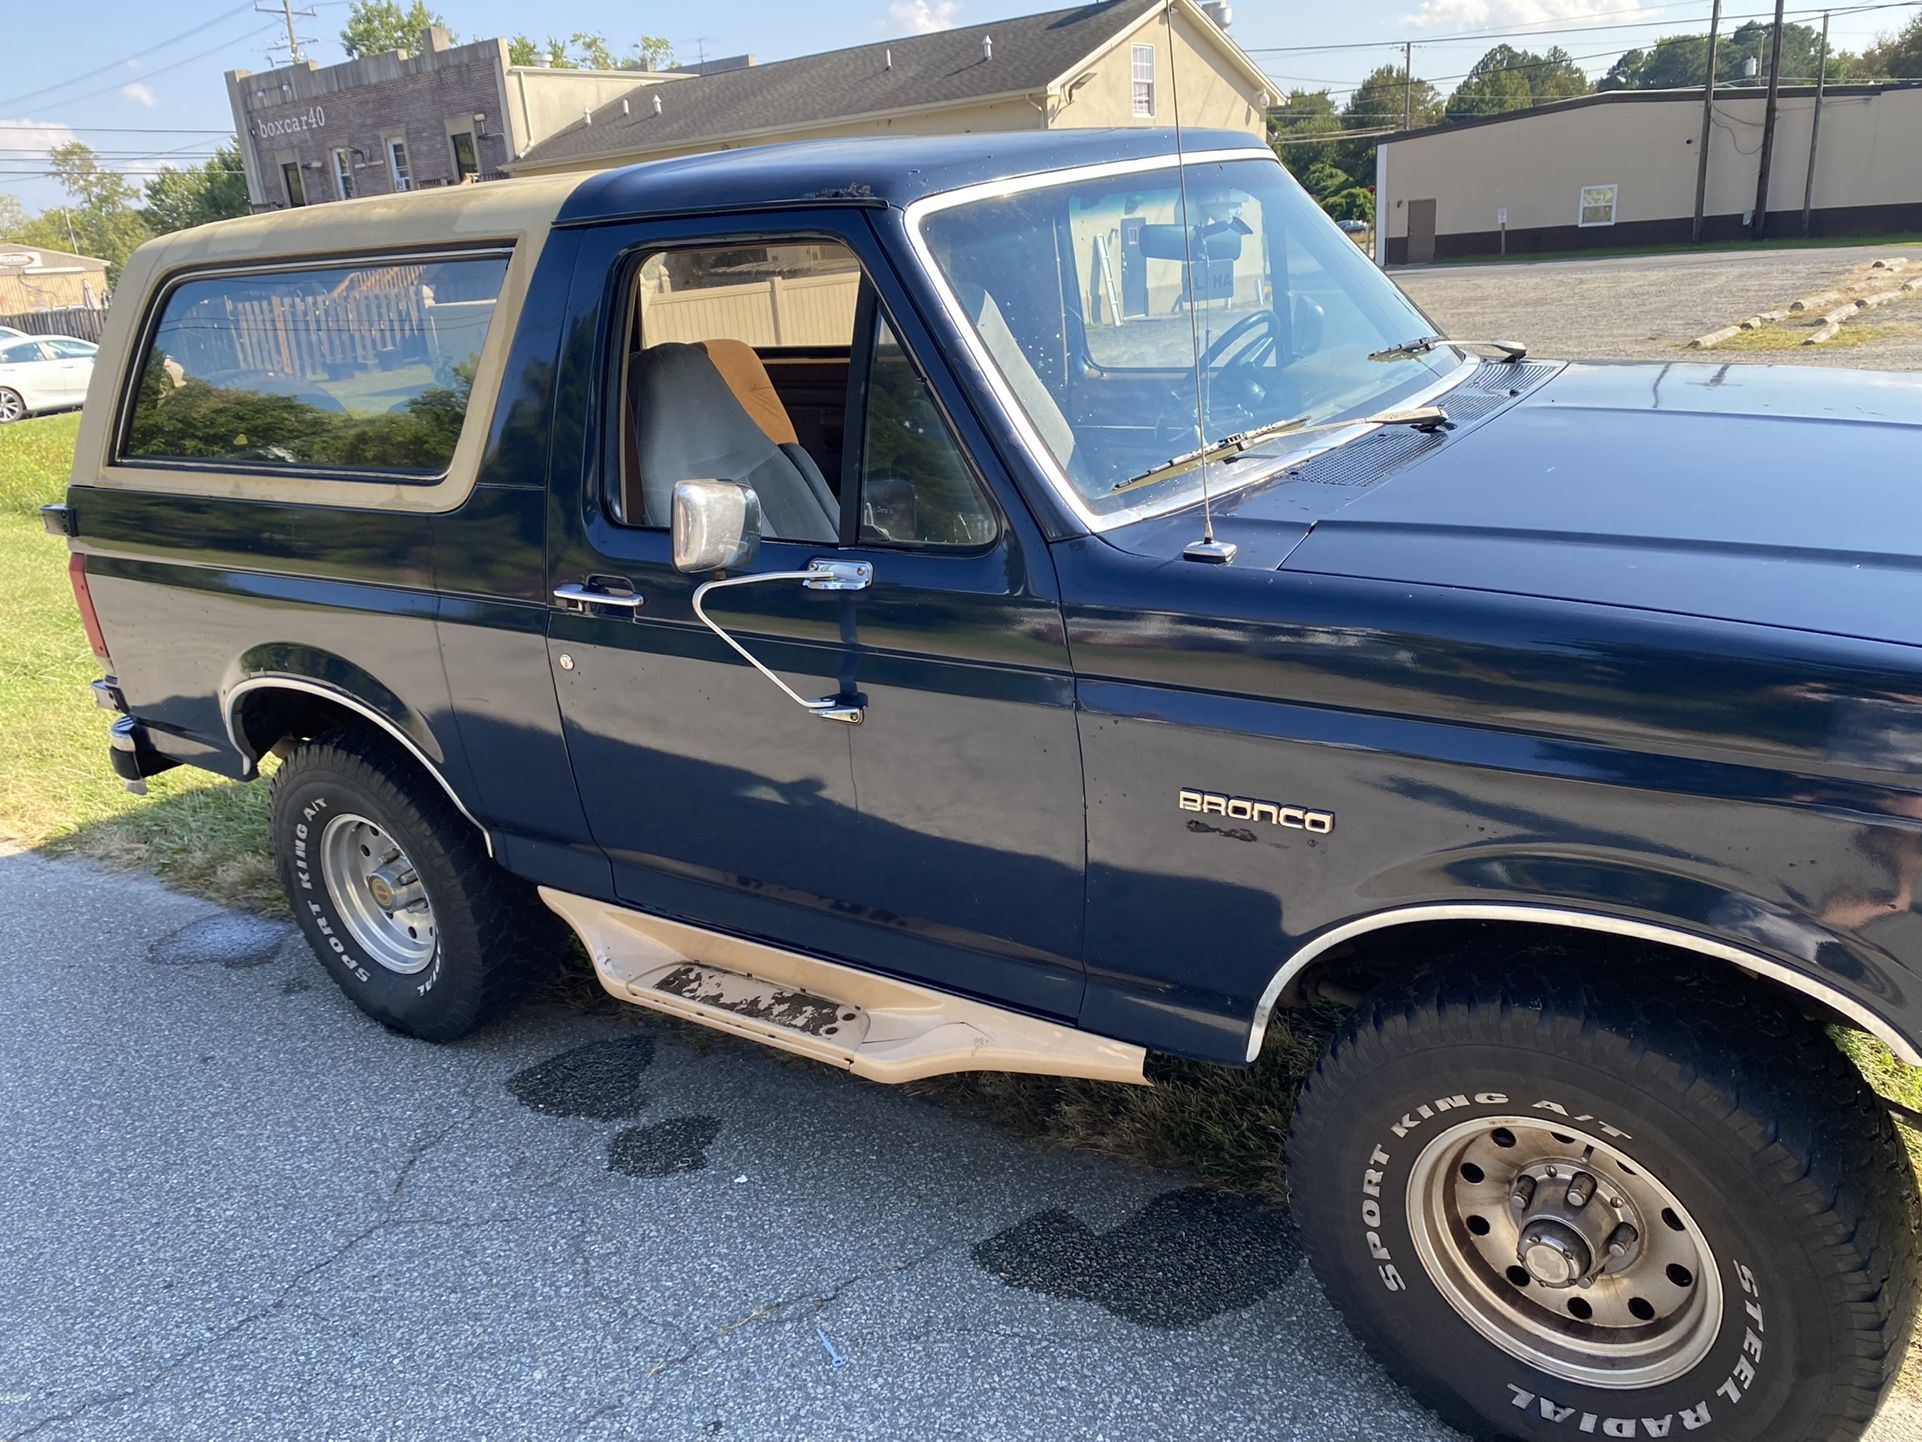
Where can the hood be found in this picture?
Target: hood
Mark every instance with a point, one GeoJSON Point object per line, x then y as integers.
{"type": "Point", "coordinates": [1771, 494]}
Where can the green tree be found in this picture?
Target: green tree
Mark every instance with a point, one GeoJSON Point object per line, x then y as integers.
{"type": "Point", "coordinates": [651, 52]}
{"type": "Point", "coordinates": [198, 194]}
{"type": "Point", "coordinates": [1354, 203]}
{"type": "Point", "coordinates": [1378, 103]}
{"type": "Point", "coordinates": [13, 217]}
{"type": "Point", "coordinates": [377, 26]}
{"type": "Point", "coordinates": [1324, 179]}
{"type": "Point", "coordinates": [1681, 61]}
{"type": "Point", "coordinates": [99, 219]}
{"type": "Point", "coordinates": [595, 54]}
{"type": "Point", "coordinates": [654, 52]}
{"type": "Point", "coordinates": [1509, 79]}
{"type": "Point", "coordinates": [1897, 56]}
{"type": "Point", "coordinates": [1493, 92]}
{"type": "Point", "coordinates": [1298, 127]}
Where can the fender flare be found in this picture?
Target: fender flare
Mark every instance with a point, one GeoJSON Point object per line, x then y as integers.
{"type": "Point", "coordinates": [340, 696]}
{"type": "Point", "coordinates": [1746, 960]}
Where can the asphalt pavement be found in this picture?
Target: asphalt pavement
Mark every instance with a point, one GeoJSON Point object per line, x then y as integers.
{"type": "Point", "coordinates": [233, 1208]}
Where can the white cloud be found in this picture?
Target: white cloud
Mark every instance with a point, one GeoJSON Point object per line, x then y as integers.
{"type": "Point", "coordinates": [38, 136]}
{"type": "Point", "coordinates": [922, 16]}
{"type": "Point", "coordinates": [139, 94]}
{"type": "Point", "coordinates": [1492, 14]}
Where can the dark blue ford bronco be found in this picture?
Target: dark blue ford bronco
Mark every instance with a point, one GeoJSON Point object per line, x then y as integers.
{"type": "Point", "coordinates": [1029, 602]}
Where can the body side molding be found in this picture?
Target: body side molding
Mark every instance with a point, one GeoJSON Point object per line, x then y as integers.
{"type": "Point", "coordinates": [1311, 951]}
{"type": "Point", "coordinates": [230, 705]}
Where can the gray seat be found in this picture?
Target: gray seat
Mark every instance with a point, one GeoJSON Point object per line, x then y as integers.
{"type": "Point", "coordinates": [688, 425]}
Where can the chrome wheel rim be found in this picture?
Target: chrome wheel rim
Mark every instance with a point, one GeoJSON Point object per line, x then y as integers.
{"type": "Point", "coordinates": [1561, 1250]}
{"type": "Point", "coordinates": [11, 406]}
{"type": "Point", "coordinates": [378, 894]}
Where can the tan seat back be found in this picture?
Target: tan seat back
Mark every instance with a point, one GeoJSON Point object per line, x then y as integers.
{"type": "Point", "coordinates": [741, 368]}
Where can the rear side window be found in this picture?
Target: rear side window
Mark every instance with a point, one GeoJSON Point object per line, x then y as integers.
{"type": "Point", "coordinates": [363, 367]}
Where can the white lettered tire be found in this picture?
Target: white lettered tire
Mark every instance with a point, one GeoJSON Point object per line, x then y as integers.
{"type": "Point", "coordinates": [395, 892]}
{"type": "Point", "coordinates": [1717, 1216]}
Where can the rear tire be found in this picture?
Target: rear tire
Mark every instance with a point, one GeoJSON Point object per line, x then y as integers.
{"type": "Point", "coordinates": [12, 407]}
{"type": "Point", "coordinates": [395, 891]}
{"type": "Point", "coordinates": [1770, 1282]}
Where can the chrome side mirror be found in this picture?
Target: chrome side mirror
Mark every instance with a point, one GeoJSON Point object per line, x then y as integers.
{"type": "Point", "coordinates": [716, 525]}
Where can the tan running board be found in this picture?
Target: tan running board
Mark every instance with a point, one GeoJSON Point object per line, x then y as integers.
{"type": "Point", "coordinates": [877, 1027]}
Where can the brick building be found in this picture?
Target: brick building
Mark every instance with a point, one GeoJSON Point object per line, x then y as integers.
{"type": "Point", "coordinates": [403, 121]}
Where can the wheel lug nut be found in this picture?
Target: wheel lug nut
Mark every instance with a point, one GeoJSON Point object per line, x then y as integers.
{"type": "Point", "coordinates": [1581, 1187]}
{"type": "Point", "coordinates": [1522, 1194]}
{"type": "Point", "coordinates": [1621, 1239]}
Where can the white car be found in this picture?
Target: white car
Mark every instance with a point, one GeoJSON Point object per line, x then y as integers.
{"type": "Point", "coordinates": [43, 373]}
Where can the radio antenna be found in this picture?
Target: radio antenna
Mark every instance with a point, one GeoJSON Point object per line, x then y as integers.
{"type": "Point", "coordinates": [1207, 548]}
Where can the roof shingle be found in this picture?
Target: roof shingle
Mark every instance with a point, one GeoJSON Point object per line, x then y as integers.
{"type": "Point", "coordinates": [945, 67]}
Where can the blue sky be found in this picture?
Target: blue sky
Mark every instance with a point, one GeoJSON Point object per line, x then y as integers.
{"type": "Point", "coordinates": [119, 74]}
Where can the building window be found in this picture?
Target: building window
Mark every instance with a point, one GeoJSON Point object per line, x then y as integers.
{"type": "Point", "coordinates": [1144, 80]}
{"type": "Point", "coordinates": [290, 177]}
{"type": "Point", "coordinates": [1598, 205]}
{"type": "Point", "coordinates": [397, 163]}
{"type": "Point", "coordinates": [343, 174]}
{"type": "Point", "coordinates": [466, 163]}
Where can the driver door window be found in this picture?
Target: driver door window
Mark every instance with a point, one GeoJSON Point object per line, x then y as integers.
{"type": "Point", "coordinates": [773, 364]}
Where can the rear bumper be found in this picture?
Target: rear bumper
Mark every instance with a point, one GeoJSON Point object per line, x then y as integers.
{"type": "Point", "coordinates": [134, 756]}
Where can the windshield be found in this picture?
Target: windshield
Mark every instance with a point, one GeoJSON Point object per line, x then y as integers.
{"type": "Point", "coordinates": [1090, 299]}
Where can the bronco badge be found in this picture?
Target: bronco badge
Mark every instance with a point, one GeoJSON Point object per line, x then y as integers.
{"type": "Point", "coordinates": [1243, 808]}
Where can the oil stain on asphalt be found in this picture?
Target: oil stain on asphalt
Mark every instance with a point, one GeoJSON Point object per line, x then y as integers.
{"type": "Point", "coordinates": [600, 1080]}
{"type": "Point", "coordinates": [235, 942]}
{"type": "Point", "coordinates": [664, 1149]}
{"type": "Point", "coordinates": [1185, 1257]}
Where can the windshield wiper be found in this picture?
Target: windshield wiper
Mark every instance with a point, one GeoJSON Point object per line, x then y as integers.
{"type": "Point", "coordinates": [1509, 350]}
{"type": "Point", "coordinates": [1422, 418]}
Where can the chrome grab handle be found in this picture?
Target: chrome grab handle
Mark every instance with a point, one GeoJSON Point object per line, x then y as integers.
{"type": "Point", "coordinates": [578, 597]}
{"type": "Point", "coordinates": [820, 575]}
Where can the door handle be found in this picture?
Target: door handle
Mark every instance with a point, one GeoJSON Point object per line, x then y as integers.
{"type": "Point", "coordinates": [583, 599]}
{"type": "Point", "coordinates": [821, 575]}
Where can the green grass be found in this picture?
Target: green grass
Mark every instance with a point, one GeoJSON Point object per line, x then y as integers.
{"type": "Point", "coordinates": [57, 791]}
{"type": "Point", "coordinates": [1791, 338]}
{"type": "Point", "coordinates": [1835, 242]}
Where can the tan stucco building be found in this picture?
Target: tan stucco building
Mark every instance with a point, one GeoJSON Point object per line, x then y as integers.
{"type": "Point", "coordinates": [1620, 169]}
{"type": "Point", "coordinates": [33, 278]}
{"type": "Point", "coordinates": [1119, 63]}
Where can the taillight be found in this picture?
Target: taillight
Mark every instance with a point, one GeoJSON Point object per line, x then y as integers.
{"type": "Point", "coordinates": [89, 618]}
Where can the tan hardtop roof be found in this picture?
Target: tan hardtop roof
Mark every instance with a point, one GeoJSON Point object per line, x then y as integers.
{"type": "Point", "coordinates": [447, 215]}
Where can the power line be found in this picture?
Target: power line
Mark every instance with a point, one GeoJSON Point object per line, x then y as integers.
{"type": "Point", "coordinates": [1476, 35]}
{"type": "Point", "coordinates": [121, 129]}
{"type": "Point", "coordinates": [138, 54]}
{"type": "Point", "coordinates": [200, 55]}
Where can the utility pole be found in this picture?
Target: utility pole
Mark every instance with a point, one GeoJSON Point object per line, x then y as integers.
{"type": "Point", "coordinates": [1760, 226]}
{"type": "Point", "coordinates": [285, 9]}
{"type": "Point", "coordinates": [1708, 115]}
{"type": "Point", "coordinates": [1408, 85]}
{"type": "Point", "coordinates": [1815, 127]}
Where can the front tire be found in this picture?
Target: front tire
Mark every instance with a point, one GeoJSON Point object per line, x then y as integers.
{"type": "Point", "coordinates": [1557, 1206]}
{"type": "Point", "coordinates": [396, 894]}
{"type": "Point", "coordinates": [12, 407]}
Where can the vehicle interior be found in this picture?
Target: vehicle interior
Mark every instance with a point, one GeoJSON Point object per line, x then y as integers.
{"type": "Point", "coordinates": [739, 363]}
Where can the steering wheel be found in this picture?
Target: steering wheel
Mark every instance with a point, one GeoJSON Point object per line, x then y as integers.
{"type": "Point", "coordinates": [1248, 352]}
{"type": "Point", "coordinates": [1237, 388]}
